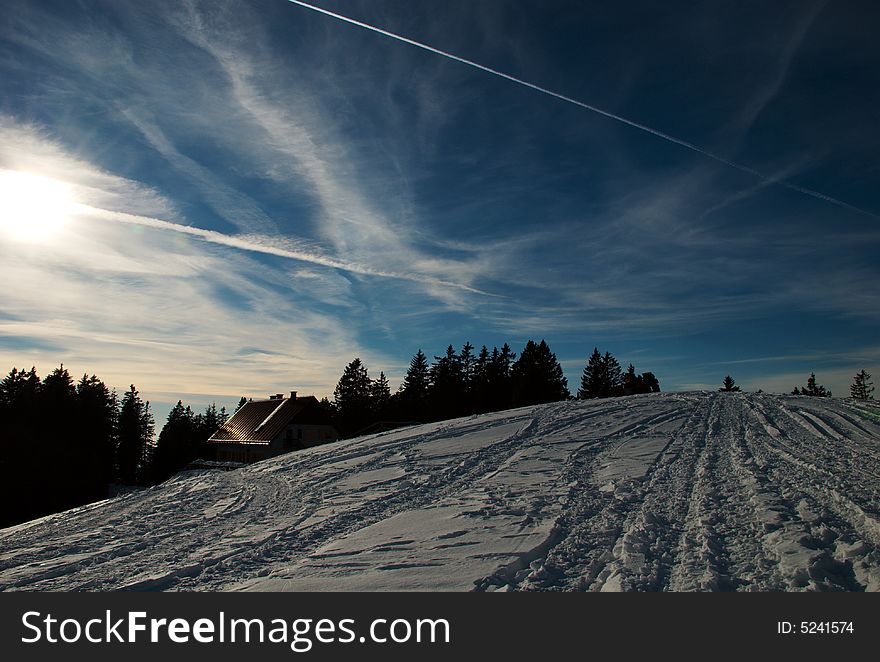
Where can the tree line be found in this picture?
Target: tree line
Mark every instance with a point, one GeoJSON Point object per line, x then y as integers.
{"type": "Point", "coordinates": [65, 443]}
{"type": "Point", "coordinates": [862, 387]}
{"type": "Point", "coordinates": [464, 382]}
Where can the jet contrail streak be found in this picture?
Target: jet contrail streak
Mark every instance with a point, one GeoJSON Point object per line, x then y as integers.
{"type": "Point", "coordinates": [264, 245]}
{"type": "Point", "coordinates": [610, 115]}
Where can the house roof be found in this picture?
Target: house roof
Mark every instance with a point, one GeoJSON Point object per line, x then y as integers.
{"type": "Point", "coordinates": [260, 421]}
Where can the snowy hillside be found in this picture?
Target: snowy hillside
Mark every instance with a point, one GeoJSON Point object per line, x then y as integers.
{"type": "Point", "coordinates": [683, 492]}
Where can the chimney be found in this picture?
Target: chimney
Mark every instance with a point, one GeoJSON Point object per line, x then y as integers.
{"type": "Point", "coordinates": [293, 395]}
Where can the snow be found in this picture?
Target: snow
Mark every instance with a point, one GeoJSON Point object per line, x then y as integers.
{"type": "Point", "coordinates": [661, 492]}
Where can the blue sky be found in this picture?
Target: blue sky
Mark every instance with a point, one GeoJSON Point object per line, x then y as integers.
{"type": "Point", "coordinates": [256, 193]}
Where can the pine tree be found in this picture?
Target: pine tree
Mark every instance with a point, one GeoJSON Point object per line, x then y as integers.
{"type": "Point", "coordinates": [480, 381]}
{"type": "Point", "coordinates": [241, 403]}
{"type": "Point", "coordinates": [602, 377]}
{"type": "Point", "coordinates": [537, 376]}
{"type": "Point", "coordinates": [632, 382]}
{"type": "Point", "coordinates": [94, 435]}
{"type": "Point", "coordinates": [135, 431]}
{"type": "Point", "coordinates": [813, 389]}
{"type": "Point", "coordinates": [466, 360]}
{"type": "Point", "coordinates": [352, 397]}
{"type": "Point", "coordinates": [498, 380]}
{"type": "Point", "coordinates": [380, 396]}
{"type": "Point", "coordinates": [862, 387]}
{"type": "Point", "coordinates": [177, 445]}
{"type": "Point", "coordinates": [613, 377]}
{"type": "Point", "coordinates": [593, 377]}
{"type": "Point", "coordinates": [447, 385]}
{"type": "Point", "coordinates": [729, 385]}
{"type": "Point", "coordinates": [414, 389]}
{"type": "Point", "coordinates": [650, 382]}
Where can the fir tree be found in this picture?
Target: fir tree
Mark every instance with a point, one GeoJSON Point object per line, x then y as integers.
{"type": "Point", "coordinates": [499, 384]}
{"type": "Point", "coordinates": [613, 376]}
{"type": "Point", "coordinates": [177, 444]}
{"type": "Point", "coordinates": [592, 377]}
{"type": "Point", "coordinates": [94, 435]}
{"type": "Point", "coordinates": [602, 377]}
{"type": "Point", "coordinates": [729, 385]}
{"type": "Point", "coordinates": [447, 385]}
{"type": "Point", "coordinates": [632, 382]}
{"type": "Point", "coordinates": [380, 396]}
{"type": "Point", "coordinates": [135, 438]}
{"type": "Point", "coordinates": [862, 387]}
{"type": "Point", "coordinates": [650, 382]}
{"type": "Point", "coordinates": [480, 381]}
{"type": "Point", "coordinates": [414, 389]}
{"type": "Point", "coordinates": [352, 397]}
{"type": "Point", "coordinates": [537, 376]}
{"type": "Point", "coordinates": [815, 390]}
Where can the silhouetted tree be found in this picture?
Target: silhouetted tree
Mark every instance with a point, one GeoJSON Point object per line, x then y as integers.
{"type": "Point", "coordinates": [729, 385]}
{"type": "Point", "coordinates": [862, 387]}
{"type": "Point", "coordinates": [537, 376]}
{"type": "Point", "coordinates": [241, 403]}
{"type": "Point", "coordinates": [380, 396]}
{"type": "Point", "coordinates": [447, 385]}
{"type": "Point", "coordinates": [352, 397]}
{"type": "Point", "coordinates": [602, 377]}
{"type": "Point", "coordinates": [813, 389]}
{"type": "Point", "coordinates": [93, 436]}
{"type": "Point", "coordinates": [413, 393]}
{"type": "Point", "coordinates": [650, 382]}
{"type": "Point", "coordinates": [479, 390]}
{"type": "Point", "coordinates": [499, 382]}
{"type": "Point", "coordinates": [135, 438]}
{"type": "Point", "coordinates": [177, 445]}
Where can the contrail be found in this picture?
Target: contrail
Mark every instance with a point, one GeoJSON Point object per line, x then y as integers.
{"type": "Point", "coordinates": [264, 245]}
{"type": "Point", "coordinates": [594, 109]}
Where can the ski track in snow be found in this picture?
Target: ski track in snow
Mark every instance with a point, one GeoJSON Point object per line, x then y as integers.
{"type": "Point", "coordinates": [665, 492]}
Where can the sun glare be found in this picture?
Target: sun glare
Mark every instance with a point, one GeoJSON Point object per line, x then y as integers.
{"type": "Point", "coordinates": [33, 207]}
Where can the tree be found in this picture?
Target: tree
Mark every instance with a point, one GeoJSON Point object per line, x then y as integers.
{"type": "Point", "coordinates": [729, 385]}
{"type": "Point", "coordinates": [498, 379]}
{"type": "Point", "coordinates": [650, 382]}
{"type": "Point", "coordinates": [537, 376]}
{"type": "Point", "coordinates": [135, 432]}
{"type": "Point", "coordinates": [602, 377]}
{"type": "Point", "coordinates": [241, 403]}
{"type": "Point", "coordinates": [177, 445]}
{"type": "Point", "coordinates": [352, 397]}
{"type": "Point", "coordinates": [413, 393]}
{"type": "Point", "coordinates": [447, 385]}
{"type": "Point", "coordinates": [480, 381]}
{"type": "Point", "coordinates": [814, 390]}
{"type": "Point", "coordinates": [380, 396]}
{"type": "Point", "coordinates": [94, 436]}
{"type": "Point", "coordinates": [862, 387]}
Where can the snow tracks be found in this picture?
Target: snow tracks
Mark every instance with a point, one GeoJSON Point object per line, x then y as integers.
{"type": "Point", "coordinates": [665, 492]}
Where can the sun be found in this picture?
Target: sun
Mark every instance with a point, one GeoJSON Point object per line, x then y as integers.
{"type": "Point", "coordinates": [33, 207]}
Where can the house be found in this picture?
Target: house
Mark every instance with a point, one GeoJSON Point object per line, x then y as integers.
{"type": "Point", "coordinates": [266, 428]}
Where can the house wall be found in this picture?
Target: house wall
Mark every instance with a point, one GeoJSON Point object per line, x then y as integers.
{"type": "Point", "coordinates": [241, 452]}
{"type": "Point", "coordinates": [295, 436]}
{"type": "Point", "coordinates": [302, 435]}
